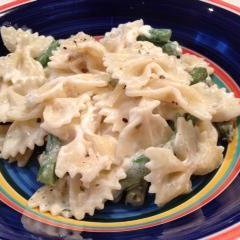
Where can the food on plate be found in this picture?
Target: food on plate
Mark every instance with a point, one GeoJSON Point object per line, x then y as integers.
{"type": "Point", "coordinates": [120, 117]}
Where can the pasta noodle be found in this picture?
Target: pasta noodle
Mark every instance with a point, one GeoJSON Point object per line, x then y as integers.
{"type": "Point", "coordinates": [12, 38]}
{"type": "Point", "coordinates": [79, 54]}
{"type": "Point", "coordinates": [20, 136]}
{"type": "Point", "coordinates": [68, 198]}
{"type": "Point", "coordinates": [20, 68]}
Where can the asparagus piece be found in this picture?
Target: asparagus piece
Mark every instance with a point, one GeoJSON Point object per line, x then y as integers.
{"type": "Point", "coordinates": [225, 131]}
{"type": "Point", "coordinates": [188, 117]}
{"type": "Point", "coordinates": [113, 82]}
{"type": "Point", "coordinates": [172, 48]}
{"type": "Point", "coordinates": [45, 57]}
{"type": "Point", "coordinates": [199, 74]}
{"type": "Point", "coordinates": [117, 195]}
{"type": "Point", "coordinates": [46, 174]}
{"type": "Point", "coordinates": [157, 36]}
{"type": "Point", "coordinates": [136, 173]}
{"type": "Point", "coordinates": [134, 184]}
{"type": "Point", "coordinates": [136, 195]}
{"type": "Point", "coordinates": [161, 38]}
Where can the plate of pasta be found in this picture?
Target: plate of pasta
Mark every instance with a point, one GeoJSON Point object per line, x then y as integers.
{"type": "Point", "coordinates": [113, 128]}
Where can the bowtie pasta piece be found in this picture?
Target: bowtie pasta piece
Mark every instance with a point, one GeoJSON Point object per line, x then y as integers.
{"type": "Point", "coordinates": [14, 107]}
{"type": "Point", "coordinates": [193, 151]}
{"type": "Point", "coordinates": [79, 54]}
{"type": "Point", "coordinates": [86, 156]}
{"type": "Point", "coordinates": [115, 107]}
{"type": "Point", "coordinates": [124, 35]}
{"type": "Point", "coordinates": [169, 177]}
{"type": "Point", "coordinates": [144, 129]}
{"type": "Point", "coordinates": [183, 96]}
{"type": "Point", "coordinates": [13, 37]}
{"type": "Point", "coordinates": [71, 86]}
{"type": "Point", "coordinates": [223, 105]}
{"type": "Point", "coordinates": [198, 145]}
{"type": "Point", "coordinates": [20, 68]}
{"type": "Point", "coordinates": [20, 136]}
{"type": "Point", "coordinates": [69, 198]}
{"type": "Point", "coordinates": [139, 64]}
{"type": "Point", "coordinates": [61, 111]}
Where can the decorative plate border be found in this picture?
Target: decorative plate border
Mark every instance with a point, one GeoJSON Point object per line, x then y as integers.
{"type": "Point", "coordinates": [229, 233]}
{"type": "Point", "coordinates": [223, 4]}
{"type": "Point", "coordinates": [12, 4]}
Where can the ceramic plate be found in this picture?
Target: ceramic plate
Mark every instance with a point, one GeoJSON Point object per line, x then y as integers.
{"type": "Point", "coordinates": [213, 205]}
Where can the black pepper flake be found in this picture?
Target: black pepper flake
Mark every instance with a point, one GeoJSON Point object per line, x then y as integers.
{"type": "Point", "coordinates": [82, 188]}
{"type": "Point", "coordinates": [75, 42]}
{"type": "Point", "coordinates": [87, 155]}
{"type": "Point", "coordinates": [38, 120]}
{"type": "Point", "coordinates": [64, 48]}
{"type": "Point", "coordinates": [124, 86]}
{"type": "Point", "coordinates": [162, 77]}
{"type": "Point", "coordinates": [125, 120]}
{"type": "Point", "coordinates": [138, 126]}
{"type": "Point", "coordinates": [84, 70]}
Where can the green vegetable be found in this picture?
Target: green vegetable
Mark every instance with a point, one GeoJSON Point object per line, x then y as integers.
{"type": "Point", "coordinates": [225, 131]}
{"type": "Point", "coordinates": [136, 173]}
{"type": "Point", "coordinates": [157, 36]}
{"type": "Point", "coordinates": [161, 38]}
{"type": "Point", "coordinates": [113, 82]}
{"type": "Point", "coordinates": [188, 117]}
{"type": "Point", "coordinates": [136, 195]}
{"type": "Point", "coordinates": [171, 48]}
{"type": "Point", "coordinates": [46, 173]}
{"type": "Point", "coordinates": [45, 57]}
{"type": "Point", "coordinates": [199, 74]}
{"type": "Point", "coordinates": [134, 184]}
{"type": "Point", "coordinates": [117, 195]}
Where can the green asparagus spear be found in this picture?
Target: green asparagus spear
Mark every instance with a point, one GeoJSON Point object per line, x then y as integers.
{"type": "Point", "coordinates": [136, 195]}
{"type": "Point", "coordinates": [45, 57]}
{"type": "Point", "coordinates": [199, 74]}
{"type": "Point", "coordinates": [134, 184]}
{"type": "Point", "coordinates": [171, 48]}
{"type": "Point", "coordinates": [188, 117]}
{"type": "Point", "coordinates": [117, 195]}
{"type": "Point", "coordinates": [136, 173]}
{"type": "Point", "coordinates": [46, 173]}
{"type": "Point", "coordinates": [113, 82]}
{"type": "Point", "coordinates": [225, 131]}
{"type": "Point", "coordinates": [157, 36]}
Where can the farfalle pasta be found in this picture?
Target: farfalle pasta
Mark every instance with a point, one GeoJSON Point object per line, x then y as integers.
{"type": "Point", "coordinates": [13, 37]}
{"type": "Point", "coordinates": [130, 113]}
